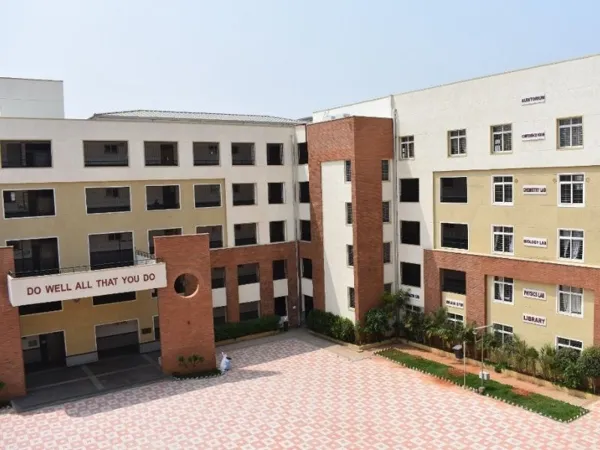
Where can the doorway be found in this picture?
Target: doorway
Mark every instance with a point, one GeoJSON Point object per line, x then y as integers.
{"type": "Point", "coordinates": [44, 351]}
{"type": "Point", "coordinates": [281, 306]}
{"type": "Point", "coordinates": [116, 339]}
{"type": "Point", "coordinates": [308, 305]}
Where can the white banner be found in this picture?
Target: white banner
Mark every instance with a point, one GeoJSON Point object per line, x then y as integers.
{"type": "Point", "coordinates": [533, 99]}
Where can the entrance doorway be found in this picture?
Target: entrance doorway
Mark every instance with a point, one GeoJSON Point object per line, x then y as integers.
{"type": "Point", "coordinates": [44, 351]}
{"type": "Point", "coordinates": [308, 305]}
{"type": "Point", "coordinates": [281, 306]}
{"type": "Point", "coordinates": [115, 339]}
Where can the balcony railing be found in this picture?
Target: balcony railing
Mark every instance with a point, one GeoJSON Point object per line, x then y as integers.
{"type": "Point", "coordinates": [245, 241]}
{"type": "Point", "coordinates": [243, 202]}
{"type": "Point", "coordinates": [206, 162]}
{"type": "Point", "coordinates": [106, 163]}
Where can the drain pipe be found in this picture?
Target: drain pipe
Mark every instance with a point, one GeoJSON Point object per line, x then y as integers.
{"type": "Point", "coordinates": [395, 193]}
{"type": "Point", "coordinates": [296, 224]}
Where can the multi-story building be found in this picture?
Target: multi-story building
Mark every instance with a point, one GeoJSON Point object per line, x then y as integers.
{"type": "Point", "coordinates": [477, 196]}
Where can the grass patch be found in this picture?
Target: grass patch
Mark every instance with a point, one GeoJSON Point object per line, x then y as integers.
{"type": "Point", "coordinates": [540, 404]}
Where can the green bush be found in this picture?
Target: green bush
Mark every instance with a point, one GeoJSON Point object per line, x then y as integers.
{"type": "Point", "coordinates": [237, 330]}
{"type": "Point", "coordinates": [377, 324]}
{"type": "Point", "coordinates": [331, 325]}
{"type": "Point", "coordinates": [590, 365]}
{"type": "Point", "coordinates": [567, 362]}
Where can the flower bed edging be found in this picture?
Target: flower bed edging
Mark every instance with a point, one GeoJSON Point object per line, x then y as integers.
{"type": "Point", "coordinates": [582, 410]}
{"type": "Point", "coordinates": [355, 347]}
{"type": "Point", "coordinates": [199, 377]}
{"type": "Point", "coordinates": [248, 337]}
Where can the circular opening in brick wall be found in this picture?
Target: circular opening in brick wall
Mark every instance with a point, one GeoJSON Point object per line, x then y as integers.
{"type": "Point", "coordinates": [186, 284]}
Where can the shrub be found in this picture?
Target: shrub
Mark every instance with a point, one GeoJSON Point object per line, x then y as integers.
{"type": "Point", "coordinates": [331, 325]}
{"type": "Point", "coordinates": [237, 330]}
{"type": "Point", "coordinates": [377, 324]}
{"type": "Point", "coordinates": [590, 365]}
{"type": "Point", "coordinates": [547, 360]}
{"type": "Point", "coordinates": [567, 363]}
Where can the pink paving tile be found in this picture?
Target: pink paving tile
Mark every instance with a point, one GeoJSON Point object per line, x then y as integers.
{"type": "Point", "coordinates": [291, 395]}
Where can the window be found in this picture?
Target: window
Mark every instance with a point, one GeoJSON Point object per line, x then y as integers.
{"type": "Point", "coordinates": [280, 269]}
{"type": "Point", "coordinates": [244, 194]}
{"type": "Point", "coordinates": [387, 252]}
{"type": "Point", "coordinates": [307, 268]}
{"type": "Point", "coordinates": [503, 189]}
{"type": "Point", "coordinates": [206, 154]}
{"type": "Point", "coordinates": [568, 343]}
{"type": "Point", "coordinates": [455, 318]}
{"type": "Point", "coordinates": [503, 334]}
{"type": "Point", "coordinates": [503, 239]}
{"type": "Point", "coordinates": [105, 154]}
{"type": "Point", "coordinates": [385, 170]}
{"type": "Point", "coordinates": [504, 289]}
{"type": "Point", "coordinates": [218, 277]}
{"type": "Point", "coordinates": [245, 234]}
{"type": "Point", "coordinates": [387, 288]}
{"type": "Point", "coordinates": [275, 193]}
{"type": "Point", "coordinates": [570, 300]}
{"type": "Point", "coordinates": [350, 255]}
{"type": "Point", "coordinates": [453, 190]}
{"type": "Point", "coordinates": [29, 203]}
{"type": "Point", "coordinates": [249, 311]}
{"type": "Point", "coordinates": [348, 171]}
{"type": "Point", "coordinates": [40, 308]}
{"type": "Point", "coordinates": [571, 189]}
{"type": "Point", "coordinates": [162, 197]}
{"type": "Point", "coordinates": [351, 299]}
{"type": "Point", "coordinates": [274, 154]}
{"type": "Point", "coordinates": [280, 306]}
{"type": "Point", "coordinates": [160, 153]}
{"type": "Point", "coordinates": [19, 154]}
{"type": "Point", "coordinates": [155, 233]}
{"type": "Point", "coordinates": [113, 298]}
{"type": "Point", "coordinates": [410, 232]}
{"type": "Point", "coordinates": [242, 154]}
{"type": "Point", "coordinates": [302, 153]}
{"type": "Point", "coordinates": [35, 257]}
{"type": "Point", "coordinates": [571, 244]}
{"type": "Point", "coordinates": [248, 273]}
{"type": "Point", "coordinates": [409, 190]}
{"type": "Point", "coordinates": [410, 274]}
{"type": "Point", "coordinates": [407, 147]}
{"type": "Point", "coordinates": [502, 138]}
{"type": "Point", "coordinates": [305, 233]}
{"type": "Point", "coordinates": [109, 250]}
{"type": "Point", "coordinates": [107, 200]}
{"type": "Point", "coordinates": [277, 231]}
{"type": "Point", "coordinates": [414, 309]}
{"type": "Point", "coordinates": [457, 144]}
{"type": "Point", "coordinates": [570, 132]}
{"type": "Point", "coordinates": [455, 235]}
{"type": "Point", "coordinates": [454, 281]}
{"type": "Point", "coordinates": [219, 315]}
{"type": "Point", "coordinates": [348, 213]}
{"type": "Point", "coordinates": [207, 195]}
{"type": "Point", "coordinates": [215, 234]}
{"type": "Point", "coordinates": [385, 209]}
{"type": "Point", "coordinates": [304, 192]}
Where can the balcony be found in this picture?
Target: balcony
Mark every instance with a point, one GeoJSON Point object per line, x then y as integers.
{"type": "Point", "coordinates": [244, 194]}
{"type": "Point", "coordinates": [162, 197]}
{"type": "Point", "coordinates": [28, 203]}
{"type": "Point", "coordinates": [160, 154]}
{"type": "Point", "coordinates": [143, 272]}
{"type": "Point", "coordinates": [105, 154]}
{"type": "Point", "coordinates": [107, 200]}
{"type": "Point", "coordinates": [25, 154]}
{"type": "Point", "coordinates": [245, 234]}
{"type": "Point", "coordinates": [242, 154]}
{"type": "Point", "coordinates": [206, 154]}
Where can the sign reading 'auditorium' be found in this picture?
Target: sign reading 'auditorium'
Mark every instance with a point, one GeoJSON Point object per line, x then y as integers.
{"type": "Point", "coordinates": [535, 320]}
{"type": "Point", "coordinates": [533, 99]}
{"type": "Point", "coordinates": [535, 242]}
{"type": "Point", "coordinates": [534, 190]}
{"type": "Point", "coordinates": [535, 136]}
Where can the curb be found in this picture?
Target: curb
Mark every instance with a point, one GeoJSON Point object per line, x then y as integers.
{"type": "Point", "coordinates": [582, 410]}
{"type": "Point", "coordinates": [201, 377]}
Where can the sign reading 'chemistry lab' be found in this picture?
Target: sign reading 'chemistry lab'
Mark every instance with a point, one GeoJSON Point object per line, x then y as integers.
{"type": "Point", "coordinates": [534, 190]}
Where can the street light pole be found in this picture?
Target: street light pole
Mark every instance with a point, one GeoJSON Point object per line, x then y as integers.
{"type": "Point", "coordinates": [483, 327]}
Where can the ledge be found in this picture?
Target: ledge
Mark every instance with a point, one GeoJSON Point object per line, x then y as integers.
{"type": "Point", "coordinates": [355, 347]}
{"type": "Point", "coordinates": [249, 337]}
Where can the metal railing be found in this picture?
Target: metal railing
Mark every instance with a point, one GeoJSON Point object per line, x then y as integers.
{"type": "Point", "coordinates": [206, 162]}
{"type": "Point", "coordinates": [106, 163]}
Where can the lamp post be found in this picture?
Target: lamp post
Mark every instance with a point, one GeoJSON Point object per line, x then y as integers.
{"type": "Point", "coordinates": [475, 330]}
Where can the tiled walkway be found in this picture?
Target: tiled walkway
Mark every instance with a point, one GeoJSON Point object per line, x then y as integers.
{"type": "Point", "coordinates": [290, 394]}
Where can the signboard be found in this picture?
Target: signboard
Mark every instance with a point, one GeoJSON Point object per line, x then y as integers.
{"type": "Point", "coordinates": [533, 99]}
{"type": "Point", "coordinates": [455, 303]}
{"type": "Point", "coordinates": [534, 190]}
{"type": "Point", "coordinates": [536, 136]}
{"type": "Point", "coordinates": [69, 286]}
{"type": "Point", "coordinates": [534, 294]}
{"type": "Point", "coordinates": [535, 242]}
{"type": "Point", "coordinates": [534, 320]}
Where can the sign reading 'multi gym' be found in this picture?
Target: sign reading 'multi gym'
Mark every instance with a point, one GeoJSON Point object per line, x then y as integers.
{"type": "Point", "coordinates": [69, 286]}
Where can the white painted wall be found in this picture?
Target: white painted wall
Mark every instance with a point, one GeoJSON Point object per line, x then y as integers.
{"type": "Point", "coordinates": [371, 108]}
{"type": "Point", "coordinates": [31, 98]}
{"type": "Point", "coordinates": [336, 235]}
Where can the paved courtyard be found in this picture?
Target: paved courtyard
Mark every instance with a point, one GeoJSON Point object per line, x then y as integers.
{"type": "Point", "coordinates": [289, 393]}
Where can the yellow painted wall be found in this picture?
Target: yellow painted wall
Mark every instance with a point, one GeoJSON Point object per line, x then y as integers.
{"type": "Point", "coordinates": [536, 216]}
{"type": "Point", "coordinates": [557, 324]}
{"type": "Point", "coordinates": [78, 318]}
{"type": "Point", "coordinates": [452, 309]}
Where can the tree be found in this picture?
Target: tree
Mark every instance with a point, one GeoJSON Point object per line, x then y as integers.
{"type": "Point", "coordinates": [393, 304]}
{"type": "Point", "coordinates": [414, 323]}
{"type": "Point", "coordinates": [590, 365]}
{"type": "Point", "coordinates": [376, 324]}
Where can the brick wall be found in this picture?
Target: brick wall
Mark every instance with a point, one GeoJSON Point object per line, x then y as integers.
{"type": "Point", "coordinates": [186, 323]}
{"type": "Point", "coordinates": [478, 267]}
{"type": "Point", "coordinates": [365, 142]}
{"type": "Point", "coordinates": [264, 255]}
{"type": "Point", "coordinates": [12, 371]}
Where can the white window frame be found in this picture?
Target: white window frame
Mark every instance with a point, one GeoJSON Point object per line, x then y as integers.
{"type": "Point", "coordinates": [351, 295]}
{"type": "Point", "coordinates": [570, 126]}
{"type": "Point", "coordinates": [407, 147]}
{"type": "Point", "coordinates": [500, 328]}
{"type": "Point", "coordinates": [350, 255]}
{"type": "Point", "coordinates": [572, 182]}
{"type": "Point", "coordinates": [502, 182]}
{"type": "Point", "coordinates": [571, 239]}
{"type": "Point", "coordinates": [502, 283]}
{"type": "Point", "coordinates": [500, 132]}
{"type": "Point", "coordinates": [571, 292]}
{"type": "Point", "coordinates": [453, 317]}
{"type": "Point", "coordinates": [504, 232]}
{"type": "Point", "coordinates": [413, 308]}
{"type": "Point", "coordinates": [569, 344]}
{"type": "Point", "coordinates": [461, 134]}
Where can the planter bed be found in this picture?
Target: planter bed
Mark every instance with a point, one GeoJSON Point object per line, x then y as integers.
{"type": "Point", "coordinates": [248, 337]}
{"type": "Point", "coordinates": [198, 375]}
{"type": "Point", "coordinates": [355, 347]}
{"type": "Point", "coordinates": [540, 404]}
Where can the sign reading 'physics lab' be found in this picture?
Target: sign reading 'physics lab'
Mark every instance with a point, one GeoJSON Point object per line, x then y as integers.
{"type": "Point", "coordinates": [534, 294]}
{"type": "Point", "coordinates": [534, 320]}
{"type": "Point", "coordinates": [535, 242]}
{"type": "Point", "coordinates": [529, 189]}
{"type": "Point", "coordinates": [533, 99]}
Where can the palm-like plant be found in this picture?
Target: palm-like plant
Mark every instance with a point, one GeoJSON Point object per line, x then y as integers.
{"type": "Point", "coordinates": [547, 360]}
{"type": "Point", "coordinates": [393, 304]}
{"type": "Point", "coordinates": [414, 323]}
